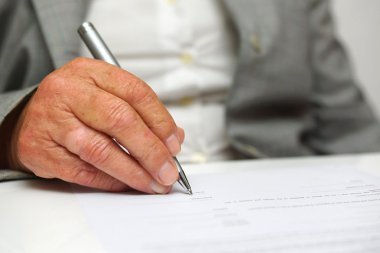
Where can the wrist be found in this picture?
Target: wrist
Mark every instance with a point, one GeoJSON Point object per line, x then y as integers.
{"type": "Point", "coordinates": [9, 130]}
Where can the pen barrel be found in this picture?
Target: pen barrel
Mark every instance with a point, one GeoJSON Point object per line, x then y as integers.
{"type": "Point", "coordinates": [95, 44]}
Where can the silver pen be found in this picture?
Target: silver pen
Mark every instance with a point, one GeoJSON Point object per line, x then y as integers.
{"type": "Point", "coordinates": [100, 51]}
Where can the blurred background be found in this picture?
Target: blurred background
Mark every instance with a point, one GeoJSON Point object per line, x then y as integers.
{"type": "Point", "coordinates": [358, 24]}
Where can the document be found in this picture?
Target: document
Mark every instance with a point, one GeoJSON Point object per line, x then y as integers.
{"type": "Point", "coordinates": [300, 209]}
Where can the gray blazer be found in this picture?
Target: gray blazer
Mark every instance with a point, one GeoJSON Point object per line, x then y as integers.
{"type": "Point", "coordinates": [293, 94]}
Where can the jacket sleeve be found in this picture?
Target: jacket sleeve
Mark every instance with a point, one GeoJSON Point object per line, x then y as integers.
{"type": "Point", "coordinates": [343, 120]}
{"type": "Point", "coordinates": [24, 61]}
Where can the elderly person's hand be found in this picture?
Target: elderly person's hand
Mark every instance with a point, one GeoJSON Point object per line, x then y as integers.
{"type": "Point", "coordinates": [66, 130]}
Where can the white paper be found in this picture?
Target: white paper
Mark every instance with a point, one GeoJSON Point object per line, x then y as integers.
{"type": "Point", "coordinates": [314, 209]}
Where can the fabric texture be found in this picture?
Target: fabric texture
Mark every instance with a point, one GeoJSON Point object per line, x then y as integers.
{"type": "Point", "coordinates": [293, 92]}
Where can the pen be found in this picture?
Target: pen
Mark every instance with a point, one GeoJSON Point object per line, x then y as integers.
{"type": "Point", "coordinates": [100, 51]}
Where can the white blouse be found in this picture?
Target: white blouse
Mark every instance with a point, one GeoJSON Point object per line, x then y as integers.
{"type": "Point", "coordinates": [185, 51]}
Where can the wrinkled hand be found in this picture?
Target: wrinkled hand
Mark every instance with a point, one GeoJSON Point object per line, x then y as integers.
{"type": "Point", "coordinates": [66, 130]}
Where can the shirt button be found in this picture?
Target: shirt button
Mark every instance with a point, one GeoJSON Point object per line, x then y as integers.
{"type": "Point", "coordinates": [186, 58]}
{"type": "Point", "coordinates": [199, 157]}
{"type": "Point", "coordinates": [255, 43]}
{"type": "Point", "coordinates": [185, 101]}
{"type": "Point", "coordinates": [171, 2]}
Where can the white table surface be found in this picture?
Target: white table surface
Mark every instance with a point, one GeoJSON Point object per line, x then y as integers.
{"type": "Point", "coordinates": [44, 215]}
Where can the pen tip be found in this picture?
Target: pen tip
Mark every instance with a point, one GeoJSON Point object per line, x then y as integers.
{"type": "Point", "coordinates": [190, 192]}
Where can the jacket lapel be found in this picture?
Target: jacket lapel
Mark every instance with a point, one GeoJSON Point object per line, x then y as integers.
{"type": "Point", "coordinates": [59, 21]}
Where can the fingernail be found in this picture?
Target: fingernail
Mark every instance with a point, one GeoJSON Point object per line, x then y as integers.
{"type": "Point", "coordinates": [157, 188]}
{"type": "Point", "coordinates": [179, 130]}
{"type": "Point", "coordinates": [173, 145]}
{"type": "Point", "coordinates": [177, 133]}
{"type": "Point", "coordinates": [168, 174]}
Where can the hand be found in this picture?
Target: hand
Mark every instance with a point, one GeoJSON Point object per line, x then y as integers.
{"type": "Point", "coordinates": [66, 130]}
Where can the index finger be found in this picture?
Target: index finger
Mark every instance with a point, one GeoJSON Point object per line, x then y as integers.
{"type": "Point", "coordinates": [138, 95]}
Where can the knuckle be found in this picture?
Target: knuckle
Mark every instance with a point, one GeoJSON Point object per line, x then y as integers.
{"type": "Point", "coordinates": [67, 173]}
{"type": "Point", "coordinates": [146, 96]}
{"type": "Point", "coordinates": [140, 92]}
{"type": "Point", "coordinates": [84, 176]}
{"type": "Point", "coordinates": [79, 62]}
{"type": "Point", "coordinates": [97, 151]}
{"type": "Point", "coordinates": [155, 152]}
{"type": "Point", "coordinates": [117, 186]}
{"type": "Point", "coordinates": [120, 117]}
{"type": "Point", "coordinates": [164, 125]}
{"type": "Point", "coordinates": [51, 83]}
{"type": "Point", "coordinates": [77, 173]}
{"type": "Point", "coordinates": [116, 74]}
{"type": "Point", "coordinates": [74, 138]}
